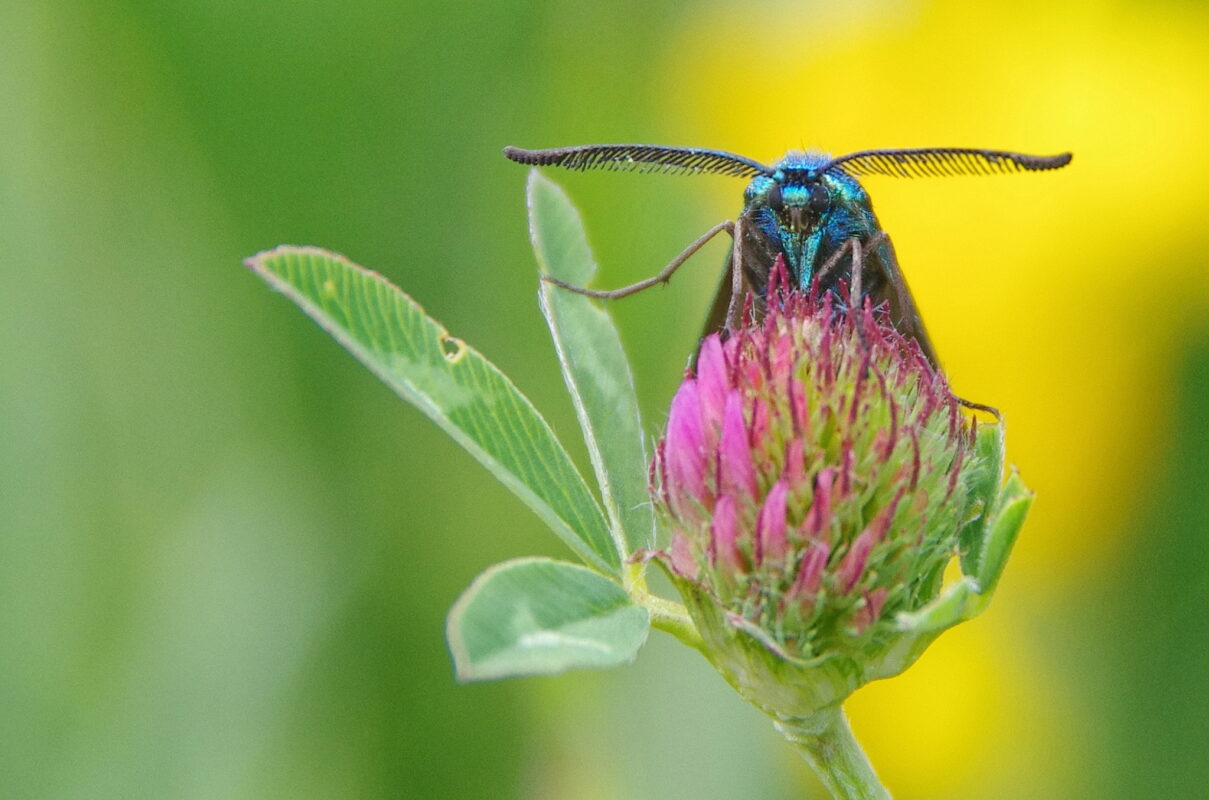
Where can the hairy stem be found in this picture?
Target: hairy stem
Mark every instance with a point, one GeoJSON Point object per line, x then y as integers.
{"type": "Point", "coordinates": [826, 742]}
{"type": "Point", "coordinates": [670, 617]}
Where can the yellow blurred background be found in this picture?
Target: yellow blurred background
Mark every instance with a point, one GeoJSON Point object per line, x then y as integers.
{"type": "Point", "coordinates": [226, 552]}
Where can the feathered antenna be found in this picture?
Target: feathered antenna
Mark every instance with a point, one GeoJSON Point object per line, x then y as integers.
{"type": "Point", "coordinates": [641, 158]}
{"type": "Point", "coordinates": [930, 161]}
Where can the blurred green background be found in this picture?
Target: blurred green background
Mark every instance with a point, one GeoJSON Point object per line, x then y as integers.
{"type": "Point", "coordinates": [226, 551]}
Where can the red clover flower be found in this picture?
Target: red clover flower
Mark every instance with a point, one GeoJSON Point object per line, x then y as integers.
{"type": "Point", "coordinates": [816, 474]}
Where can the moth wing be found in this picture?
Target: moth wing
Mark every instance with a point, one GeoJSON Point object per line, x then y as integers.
{"type": "Point", "coordinates": [715, 322]}
{"type": "Point", "coordinates": [893, 290]}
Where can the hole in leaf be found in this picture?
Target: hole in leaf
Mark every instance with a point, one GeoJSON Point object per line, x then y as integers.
{"type": "Point", "coordinates": [453, 348]}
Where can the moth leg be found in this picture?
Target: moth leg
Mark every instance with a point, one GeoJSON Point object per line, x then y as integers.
{"type": "Point", "coordinates": [858, 266]}
{"type": "Point", "coordinates": [856, 302]}
{"type": "Point", "coordinates": [854, 246]}
{"type": "Point", "coordinates": [857, 247]}
{"type": "Point", "coordinates": [961, 401]}
{"type": "Point", "coordinates": [834, 259]}
{"type": "Point", "coordinates": [736, 275]}
{"type": "Point", "coordinates": [664, 274]}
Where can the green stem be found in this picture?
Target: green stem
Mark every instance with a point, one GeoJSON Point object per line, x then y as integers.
{"type": "Point", "coordinates": [670, 617]}
{"type": "Point", "coordinates": [826, 742]}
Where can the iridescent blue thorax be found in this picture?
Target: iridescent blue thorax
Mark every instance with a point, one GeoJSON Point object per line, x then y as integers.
{"type": "Point", "coordinates": [806, 213]}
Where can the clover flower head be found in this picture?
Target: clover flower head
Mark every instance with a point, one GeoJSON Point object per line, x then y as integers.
{"type": "Point", "coordinates": [816, 473]}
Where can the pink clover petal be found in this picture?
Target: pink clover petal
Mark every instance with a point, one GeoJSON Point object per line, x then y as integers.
{"type": "Point", "coordinates": [818, 518]}
{"type": "Point", "coordinates": [771, 540]}
{"type": "Point", "coordinates": [682, 556]}
{"type": "Point", "coordinates": [852, 566]}
{"type": "Point", "coordinates": [724, 535]}
{"type": "Point", "coordinates": [737, 473]}
{"type": "Point", "coordinates": [684, 451]}
{"type": "Point", "coordinates": [810, 572]}
{"type": "Point", "coordinates": [713, 383]}
{"type": "Point", "coordinates": [795, 464]}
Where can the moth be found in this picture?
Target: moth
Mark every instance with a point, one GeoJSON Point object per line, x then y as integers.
{"type": "Point", "coordinates": [809, 208]}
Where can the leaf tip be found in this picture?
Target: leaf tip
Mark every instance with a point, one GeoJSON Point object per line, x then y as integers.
{"type": "Point", "coordinates": [257, 263]}
{"type": "Point", "coordinates": [535, 178]}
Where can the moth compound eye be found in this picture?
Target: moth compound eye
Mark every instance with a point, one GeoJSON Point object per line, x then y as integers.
{"type": "Point", "coordinates": [820, 198]}
{"type": "Point", "coordinates": [774, 197]}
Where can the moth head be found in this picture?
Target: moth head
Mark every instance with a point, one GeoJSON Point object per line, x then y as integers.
{"type": "Point", "coordinates": [799, 204]}
{"type": "Point", "coordinates": [796, 192]}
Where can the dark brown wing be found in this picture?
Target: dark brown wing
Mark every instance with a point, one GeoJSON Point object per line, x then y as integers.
{"type": "Point", "coordinates": [715, 322]}
{"type": "Point", "coordinates": [893, 290]}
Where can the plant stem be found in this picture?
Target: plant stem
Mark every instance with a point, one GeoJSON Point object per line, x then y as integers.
{"type": "Point", "coordinates": [826, 742]}
{"type": "Point", "coordinates": [670, 617]}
